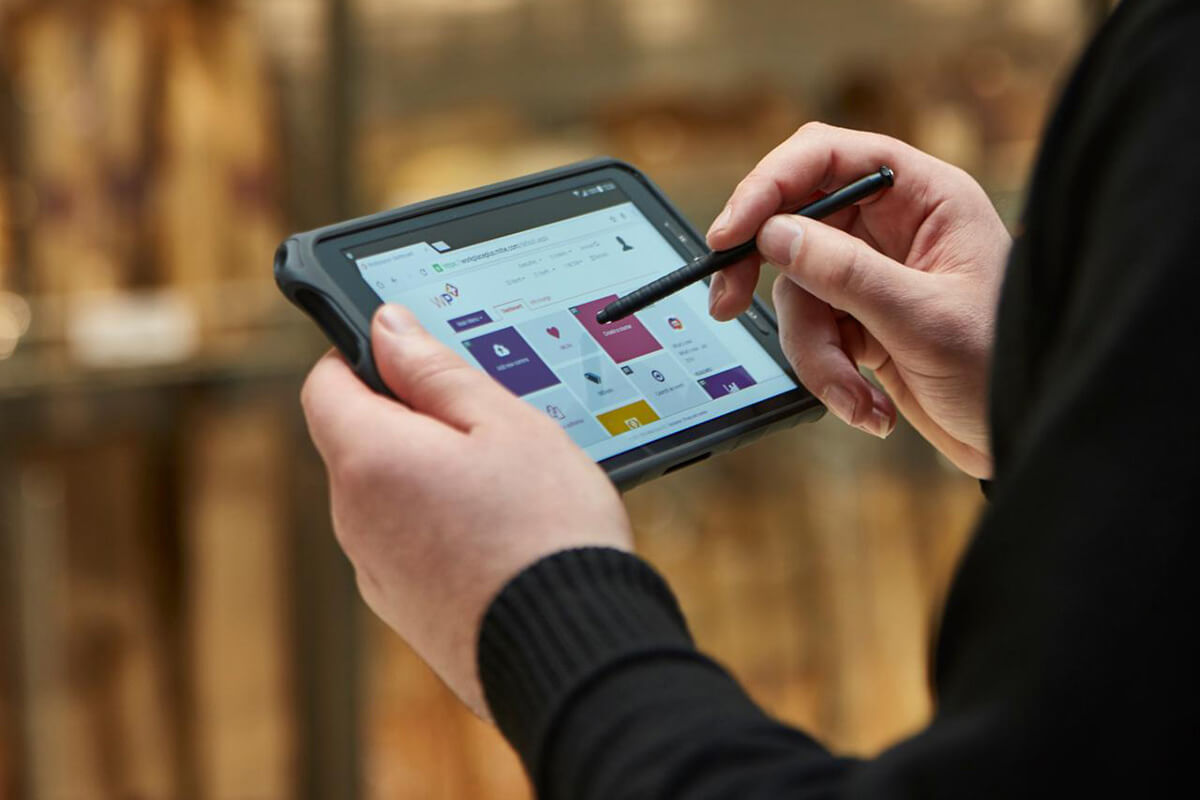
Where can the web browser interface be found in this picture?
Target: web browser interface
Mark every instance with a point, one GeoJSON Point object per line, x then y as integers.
{"type": "Point", "coordinates": [521, 304]}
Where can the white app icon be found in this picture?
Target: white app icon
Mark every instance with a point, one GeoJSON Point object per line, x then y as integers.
{"type": "Point", "coordinates": [501, 351]}
{"type": "Point", "coordinates": [632, 423]}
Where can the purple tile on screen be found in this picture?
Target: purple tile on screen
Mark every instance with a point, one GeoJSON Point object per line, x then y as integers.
{"type": "Point", "coordinates": [509, 359]}
{"type": "Point", "coordinates": [468, 321]}
{"type": "Point", "coordinates": [727, 382]}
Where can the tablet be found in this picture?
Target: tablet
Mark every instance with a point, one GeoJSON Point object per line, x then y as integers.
{"type": "Point", "coordinates": [511, 276]}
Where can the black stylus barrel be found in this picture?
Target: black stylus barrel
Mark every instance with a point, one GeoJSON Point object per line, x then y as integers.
{"type": "Point", "coordinates": [717, 260]}
{"type": "Point", "coordinates": [672, 282]}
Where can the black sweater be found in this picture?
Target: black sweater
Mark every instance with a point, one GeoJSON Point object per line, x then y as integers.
{"type": "Point", "coordinates": [1065, 663]}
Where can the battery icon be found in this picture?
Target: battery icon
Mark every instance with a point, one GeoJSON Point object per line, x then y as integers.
{"type": "Point", "coordinates": [437, 267]}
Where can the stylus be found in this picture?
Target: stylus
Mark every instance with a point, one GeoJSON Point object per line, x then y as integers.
{"type": "Point", "coordinates": [706, 265]}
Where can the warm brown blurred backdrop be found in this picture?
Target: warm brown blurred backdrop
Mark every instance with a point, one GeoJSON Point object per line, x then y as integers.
{"type": "Point", "coordinates": [175, 620]}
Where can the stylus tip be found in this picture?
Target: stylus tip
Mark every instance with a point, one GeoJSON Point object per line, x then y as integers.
{"type": "Point", "coordinates": [888, 175]}
{"type": "Point", "coordinates": [602, 316]}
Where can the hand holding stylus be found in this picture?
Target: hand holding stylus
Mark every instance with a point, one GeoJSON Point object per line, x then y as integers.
{"type": "Point", "coordinates": [905, 284]}
{"type": "Point", "coordinates": [717, 260]}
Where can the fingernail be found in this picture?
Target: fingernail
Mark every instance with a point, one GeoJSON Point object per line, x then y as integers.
{"type": "Point", "coordinates": [722, 220]}
{"type": "Point", "coordinates": [840, 402]}
{"type": "Point", "coordinates": [716, 289]}
{"type": "Point", "coordinates": [779, 239]}
{"type": "Point", "coordinates": [878, 424]}
{"type": "Point", "coordinates": [394, 319]}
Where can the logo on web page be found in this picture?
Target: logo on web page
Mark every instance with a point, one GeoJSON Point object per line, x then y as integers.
{"type": "Point", "coordinates": [446, 297]}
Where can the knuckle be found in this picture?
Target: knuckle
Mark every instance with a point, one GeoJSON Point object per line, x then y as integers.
{"type": "Point", "coordinates": [347, 535]}
{"type": "Point", "coordinates": [845, 271]}
{"type": "Point", "coordinates": [960, 174]}
{"type": "Point", "coordinates": [807, 367]}
{"type": "Point", "coordinates": [783, 294]}
{"type": "Point", "coordinates": [818, 260]}
{"type": "Point", "coordinates": [757, 180]}
{"type": "Point", "coordinates": [754, 177]}
{"type": "Point", "coordinates": [319, 413]}
{"type": "Point", "coordinates": [309, 391]}
{"type": "Point", "coordinates": [367, 583]}
{"type": "Point", "coordinates": [813, 126]}
{"type": "Point", "coordinates": [793, 350]}
{"type": "Point", "coordinates": [306, 396]}
{"type": "Point", "coordinates": [851, 272]}
{"type": "Point", "coordinates": [353, 536]}
{"type": "Point", "coordinates": [317, 393]}
{"type": "Point", "coordinates": [355, 468]}
{"type": "Point", "coordinates": [798, 352]}
{"type": "Point", "coordinates": [791, 334]}
{"type": "Point", "coordinates": [437, 369]}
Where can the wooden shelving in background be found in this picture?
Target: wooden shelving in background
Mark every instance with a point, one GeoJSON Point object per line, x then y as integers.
{"type": "Point", "coordinates": [175, 618]}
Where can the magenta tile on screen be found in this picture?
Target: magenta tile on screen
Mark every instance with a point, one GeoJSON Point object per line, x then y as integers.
{"type": "Point", "coordinates": [624, 339]}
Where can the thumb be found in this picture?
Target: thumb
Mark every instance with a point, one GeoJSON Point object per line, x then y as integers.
{"type": "Point", "coordinates": [841, 269]}
{"type": "Point", "coordinates": [428, 375]}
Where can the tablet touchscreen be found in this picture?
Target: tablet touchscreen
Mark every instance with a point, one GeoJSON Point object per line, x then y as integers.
{"type": "Point", "coordinates": [515, 290]}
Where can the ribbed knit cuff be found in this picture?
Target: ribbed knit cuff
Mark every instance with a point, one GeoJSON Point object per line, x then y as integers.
{"type": "Point", "coordinates": [561, 624]}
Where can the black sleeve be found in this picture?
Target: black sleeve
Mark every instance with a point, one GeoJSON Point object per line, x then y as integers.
{"type": "Point", "coordinates": [591, 674]}
{"type": "Point", "coordinates": [1063, 641]}
{"type": "Point", "coordinates": [1066, 664]}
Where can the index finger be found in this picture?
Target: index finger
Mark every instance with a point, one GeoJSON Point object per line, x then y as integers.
{"type": "Point", "coordinates": [818, 159]}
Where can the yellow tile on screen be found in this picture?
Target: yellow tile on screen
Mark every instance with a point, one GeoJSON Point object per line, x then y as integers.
{"type": "Point", "coordinates": [628, 418]}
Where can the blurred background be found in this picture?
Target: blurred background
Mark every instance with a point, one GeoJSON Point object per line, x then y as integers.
{"type": "Point", "coordinates": [175, 620]}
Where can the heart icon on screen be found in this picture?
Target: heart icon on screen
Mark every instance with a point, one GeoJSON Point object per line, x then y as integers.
{"type": "Point", "coordinates": [553, 331]}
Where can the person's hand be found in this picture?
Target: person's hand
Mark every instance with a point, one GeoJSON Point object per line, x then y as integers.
{"type": "Point", "coordinates": [904, 284]}
{"type": "Point", "coordinates": [439, 502]}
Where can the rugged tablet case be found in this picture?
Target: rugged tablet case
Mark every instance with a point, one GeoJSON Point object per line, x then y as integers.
{"type": "Point", "coordinates": [300, 278]}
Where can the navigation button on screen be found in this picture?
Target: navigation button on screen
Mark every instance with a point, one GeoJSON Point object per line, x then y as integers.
{"type": "Point", "coordinates": [468, 321]}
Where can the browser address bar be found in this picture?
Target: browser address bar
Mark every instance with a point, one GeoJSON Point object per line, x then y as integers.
{"type": "Point", "coordinates": [494, 252]}
{"type": "Point", "coordinates": [415, 265]}
{"type": "Point", "coordinates": [565, 233]}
